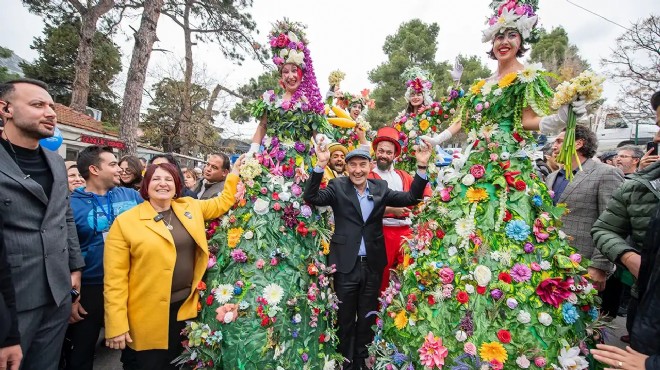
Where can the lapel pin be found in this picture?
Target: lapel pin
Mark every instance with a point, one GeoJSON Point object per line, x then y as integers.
{"type": "Point", "coordinates": [187, 214]}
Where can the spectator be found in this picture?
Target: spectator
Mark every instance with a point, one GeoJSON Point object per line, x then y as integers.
{"type": "Point", "coordinates": [337, 164]}
{"type": "Point", "coordinates": [169, 158]}
{"type": "Point", "coordinates": [215, 173]}
{"type": "Point", "coordinates": [357, 247]}
{"type": "Point", "coordinates": [10, 339]}
{"type": "Point", "coordinates": [650, 157]}
{"type": "Point", "coordinates": [627, 158]}
{"type": "Point", "coordinates": [155, 257]}
{"type": "Point", "coordinates": [190, 178]}
{"type": "Point", "coordinates": [73, 176]}
{"type": "Point", "coordinates": [586, 197]}
{"type": "Point", "coordinates": [627, 215]}
{"type": "Point", "coordinates": [94, 207]}
{"type": "Point", "coordinates": [40, 236]}
{"type": "Point", "coordinates": [131, 172]}
{"type": "Point", "coordinates": [608, 158]}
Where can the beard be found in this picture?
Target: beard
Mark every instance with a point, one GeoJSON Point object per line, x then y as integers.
{"type": "Point", "coordinates": [383, 164]}
{"type": "Point", "coordinates": [337, 167]}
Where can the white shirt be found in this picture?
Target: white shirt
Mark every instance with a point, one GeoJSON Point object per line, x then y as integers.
{"type": "Point", "coordinates": [394, 182]}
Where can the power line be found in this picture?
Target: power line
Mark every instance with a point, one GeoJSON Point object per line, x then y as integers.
{"type": "Point", "coordinates": [597, 15]}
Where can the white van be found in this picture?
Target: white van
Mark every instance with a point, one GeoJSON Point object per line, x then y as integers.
{"type": "Point", "coordinates": [615, 129]}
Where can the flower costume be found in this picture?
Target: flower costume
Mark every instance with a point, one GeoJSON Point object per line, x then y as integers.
{"type": "Point", "coordinates": [494, 281]}
{"type": "Point", "coordinates": [269, 252]}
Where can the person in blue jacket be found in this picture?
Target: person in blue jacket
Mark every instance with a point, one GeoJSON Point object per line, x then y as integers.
{"type": "Point", "coordinates": [94, 207]}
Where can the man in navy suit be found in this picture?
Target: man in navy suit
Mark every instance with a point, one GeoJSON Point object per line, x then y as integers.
{"type": "Point", "coordinates": [357, 248]}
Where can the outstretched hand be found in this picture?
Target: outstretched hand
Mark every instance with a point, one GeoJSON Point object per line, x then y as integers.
{"type": "Point", "coordinates": [322, 152]}
{"type": "Point", "coordinates": [236, 169]}
{"type": "Point", "coordinates": [423, 153]}
{"type": "Point", "coordinates": [457, 72]}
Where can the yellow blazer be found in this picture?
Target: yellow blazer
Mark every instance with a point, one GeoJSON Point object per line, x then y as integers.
{"type": "Point", "coordinates": [138, 262]}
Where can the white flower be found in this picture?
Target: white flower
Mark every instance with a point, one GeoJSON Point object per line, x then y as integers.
{"type": "Point", "coordinates": [464, 227]}
{"type": "Point", "coordinates": [297, 318]}
{"type": "Point", "coordinates": [469, 288]}
{"type": "Point", "coordinates": [545, 265]}
{"type": "Point", "coordinates": [588, 288]}
{"type": "Point", "coordinates": [452, 251]}
{"type": "Point", "coordinates": [260, 206]}
{"type": "Point", "coordinates": [572, 298]}
{"type": "Point", "coordinates": [487, 87]}
{"type": "Point", "coordinates": [530, 72]}
{"type": "Point", "coordinates": [223, 293]}
{"type": "Point", "coordinates": [292, 37]}
{"type": "Point", "coordinates": [524, 317]}
{"type": "Point", "coordinates": [525, 25]}
{"type": "Point", "coordinates": [296, 204]}
{"type": "Point", "coordinates": [275, 180]}
{"type": "Point", "coordinates": [497, 92]}
{"type": "Point", "coordinates": [495, 255]}
{"type": "Point", "coordinates": [482, 275]}
{"type": "Point", "coordinates": [545, 318]}
{"type": "Point", "coordinates": [229, 316]}
{"type": "Point", "coordinates": [248, 235]}
{"type": "Point", "coordinates": [296, 57]}
{"type": "Point", "coordinates": [562, 235]}
{"type": "Point", "coordinates": [468, 179]}
{"type": "Point", "coordinates": [412, 134]}
{"type": "Point", "coordinates": [472, 137]}
{"type": "Point", "coordinates": [461, 335]}
{"type": "Point", "coordinates": [505, 156]}
{"type": "Point", "coordinates": [523, 362]}
{"type": "Point", "coordinates": [284, 52]}
{"type": "Point", "coordinates": [285, 196]}
{"type": "Point", "coordinates": [329, 364]}
{"type": "Point", "coordinates": [409, 125]}
{"type": "Point", "coordinates": [273, 294]}
{"type": "Point", "coordinates": [570, 359]}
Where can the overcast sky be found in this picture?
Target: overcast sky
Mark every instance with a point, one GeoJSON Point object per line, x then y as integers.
{"type": "Point", "coordinates": [348, 35]}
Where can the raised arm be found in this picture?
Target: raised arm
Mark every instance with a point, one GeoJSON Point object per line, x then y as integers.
{"type": "Point", "coordinates": [258, 136]}
{"type": "Point", "coordinates": [218, 206]}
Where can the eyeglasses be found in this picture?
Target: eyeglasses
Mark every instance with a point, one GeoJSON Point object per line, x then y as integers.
{"type": "Point", "coordinates": [624, 156]}
{"type": "Point", "coordinates": [126, 171]}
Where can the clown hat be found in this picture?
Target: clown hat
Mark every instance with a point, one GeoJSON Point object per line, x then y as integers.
{"type": "Point", "coordinates": [388, 134]}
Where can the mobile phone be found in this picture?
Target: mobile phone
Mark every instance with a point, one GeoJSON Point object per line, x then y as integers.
{"type": "Point", "coordinates": [652, 145]}
{"type": "Point", "coordinates": [74, 295]}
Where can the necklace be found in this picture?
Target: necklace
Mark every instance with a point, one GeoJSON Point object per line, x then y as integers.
{"type": "Point", "coordinates": [168, 223]}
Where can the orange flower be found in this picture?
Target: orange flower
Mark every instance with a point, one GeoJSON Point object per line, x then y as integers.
{"type": "Point", "coordinates": [401, 320]}
{"type": "Point", "coordinates": [476, 195]}
{"type": "Point", "coordinates": [201, 286]}
{"type": "Point", "coordinates": [507, 79]}
{"type": "Point", "coordinates": [423, 125]}
{"type": "Point", "coordinates": [493, 351]}
{"type": "Point", "coordinates": [476, 88]}
{"type": "Point", "coordinates": [234, 236]}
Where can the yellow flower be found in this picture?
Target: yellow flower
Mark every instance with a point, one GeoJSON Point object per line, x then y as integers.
{"type": "Point", "coordinates": [493, 351]}
{"type": "Point", "coordinates": [476, 195]}
{"type": "Point", "coordinates": [476, 88]}
{"type": "Point", "coordinates": [326, 247]}
{"type": "Point", "coordinates": [423, 124]}
{"type": "Point", "coordinates": [401, 320]}
{"type": "Point", "coordinates": [507, 79]}
{"type": "Point", "coordinates": [246, 217]}
{"type": "Point", "coordinates": [398, 127]}
{"type": "Point", "coordinates": [234, 236]}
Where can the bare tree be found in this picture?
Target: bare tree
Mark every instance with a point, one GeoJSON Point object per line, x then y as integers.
{"type": "Point", "coordinates": [635, 65]}
{"type": "Point", "coordinates": [145, 37]}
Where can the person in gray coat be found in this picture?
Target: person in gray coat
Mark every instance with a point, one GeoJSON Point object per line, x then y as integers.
{"type": "Point", "coordinates": [39, 231]}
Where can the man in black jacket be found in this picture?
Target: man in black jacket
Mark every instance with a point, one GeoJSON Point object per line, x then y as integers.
{"type": "Point", "coordinates": [357, 248]}
{"type": "Point", "coordinates": [10, 339]}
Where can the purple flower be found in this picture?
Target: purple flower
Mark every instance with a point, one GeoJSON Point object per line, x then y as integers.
{"type": "Point", "coordinates": [293, 45]}
{"type": "Point", "coordinates": [453, 94]}
{"type": "Point", "coordinates": [294, 333]}
{"type": "Point", "coordinates": [286, 105]}
{"type": "Point", "coordinates": [296, 190]}
{"type": "Point", "coordinates": [496, 294]}
{"type": "Point", "coordinates": [511, 303]}
{"type": "Point", "coordinates": [528, 248]}
{"type": "Point", "coordinates": [277, 60]}
{"type": "Point", "coordinates": [239, 256]}
{"type": "Point", "coordinates": [305, 211]}
{"type": "Point", "coordinates": [299, 147]}
{"type": "Point", "coordinates": [305, 357]}
{"type": "Point", "coordinates": [521, 272]}
{"type": "Point", "coordinates": [274, 142]}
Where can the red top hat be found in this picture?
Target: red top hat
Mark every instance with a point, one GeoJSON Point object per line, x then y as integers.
{"type": "Point", "coordinates": [388, 134]}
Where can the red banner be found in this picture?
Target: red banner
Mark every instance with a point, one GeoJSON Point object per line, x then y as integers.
{"type": "Point", "coordinates": [102, 141]}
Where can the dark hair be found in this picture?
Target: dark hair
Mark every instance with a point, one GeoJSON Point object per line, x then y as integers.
{"type": "Point", "coordinates": [8, 87]}
{"type": "Point", "coordinates": [521, 50]}
{"type": "Point", "coordinates": [590, 141]}
{"type": "Point", "coordinates": [136, 168]}
{"type": "Point", "coordinates": [91, 156]}
{"type": "Point", "coordinates": [655, 100]}
{"type": "Point", "coordinates": [225, 160]}
{"type": "Point", "coordinates": [171, 169]}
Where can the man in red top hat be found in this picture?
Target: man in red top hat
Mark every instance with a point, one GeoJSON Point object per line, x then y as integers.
{"type": "Point", "coordinates": [396, 221]}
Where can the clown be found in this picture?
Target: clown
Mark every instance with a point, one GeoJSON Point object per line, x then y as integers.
{"type": "Point", "coordinates": [494, 283]}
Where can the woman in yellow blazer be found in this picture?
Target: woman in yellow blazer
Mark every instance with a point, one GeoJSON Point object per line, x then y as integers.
{"type": "Point", "coordinates": [155, 256]}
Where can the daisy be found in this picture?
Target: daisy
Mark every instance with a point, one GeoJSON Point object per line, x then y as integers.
{"type": "Point", "coordinates": [464, 227]}
{"type": "Point", "coordinates": [224, 293]}
{"type": "Point", "coordinates": [273, 294]}
{"type": "Point", "coordinates": [530, 72]}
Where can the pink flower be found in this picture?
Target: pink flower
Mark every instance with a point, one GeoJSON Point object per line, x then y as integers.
{"type": "Point", "coordinates": [540, 362]}
{"type": "Point", "coordinates": [553, 291]}
{"type": "Point", "coordinates": [445, 194]}
{"type": "Point", "coordinates": [211, 263]}
{"type": "Point", "coordinates": [576, 257]}
{"type": "Point", "coordinates": [493, 157]}
{"type": "Point", "coordinates": [535, 266]}
{"type": "Point", "coordinates": [446, 275]}
{"type": "Point", "coordinates": [478, 171]}
{"type": "Point", "coordinates": [260, 263]}
{"type": "Point", "coordinates": [470, 348]}
{"type": "Point", "coordinates": [432, 353]}
{"type": "Point", "coordinates": [521, 273]}
{"type": "Point", "coordinates": [273, 261]}
{"type": "Point", "coordinates": [282, 40]}
{"type": "Point", "coordinates": [240, 191]}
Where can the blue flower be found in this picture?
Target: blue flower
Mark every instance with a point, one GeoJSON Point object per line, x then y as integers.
{"type": "Point", "coordinates": [517, 230]}
{"type": "Point", "coordinates": [593, 312]}
{"type": "Point", "coordinates": [570, 313]}
{"type": "Point", "coordinates": [399, 358]}
{"type": "Point", "coordinates": [537, 200]}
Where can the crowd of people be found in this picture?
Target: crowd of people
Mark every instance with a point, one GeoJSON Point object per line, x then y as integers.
{"type": "Point", "coordinates": [305, 254]}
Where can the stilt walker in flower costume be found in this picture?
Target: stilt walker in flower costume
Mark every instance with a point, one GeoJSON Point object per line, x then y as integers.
{"type": "Point", "coordinates": [269, 259]}
{"type": "Point", "coordinates": [423, 115]}
{"type": "Point", "coordinates": [494, 284]}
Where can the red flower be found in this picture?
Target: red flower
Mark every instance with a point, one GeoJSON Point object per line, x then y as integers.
{"type": "Point", "coordinates": [201, 286]}
{"type": "Point", "coordinates": [440, 234]}
{"type": "Point", "coordinates": [520, 185]}
{"type": "Point", "coordinates": [462, 297]}
{"type": "Point", "coordinates": [209, 300]}
{"type": "Point", "coordinates": [476, 142]}
{"type": "Point", "coordinates": [504, 277]}
{"type": "Point", "coordinates": [431, 300]}
{"type": "Point", "coordinates": [478, 171]}
{"type": "Point", "coordinates": [505, 165]}
{"type": "Point", "coordinates": [322, 338]}
{"type": "Point", "coordinates": [282, 40]}
{"type": "Point", "coordinates": [517, 137]}
{"type": "Point", "coordinates": [481, 289]}
{"type": "Point", "coordinates": [553, 291]}
{"type": "Point", "coordinates": [507, 215]}
{"type": "Point", "coordinates": [504, 336]}
{"type": "Point", "coordinates": [586, 308]}
{"type": "Point", "coordinates": [276, 196]}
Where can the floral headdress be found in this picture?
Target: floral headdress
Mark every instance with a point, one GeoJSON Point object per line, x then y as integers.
{"type": "Point", "coordinates": [289, 45]}
{"type": "Point", "coordinates": [348, 99]}
{"type": "Point", "coordinates": [516, 14]}
{"type": "Point", "coordinates": [418, 80]}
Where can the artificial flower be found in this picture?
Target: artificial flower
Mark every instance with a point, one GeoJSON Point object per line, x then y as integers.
{"type": "Point", "coordinates": [470, 348]}
{"type": "Point", "coordinates": [432, 353]}
{"type": "Point", "coordinates": [570, 359]}
{"type": "Point", "coordinates": [468, 180]}
{"type": "Point", "coordinates": [460, 335]}
{"type": "Point", "coordinates": [493, 351]}
{"type": "Point", "coordinates": [544, 318]}
{"type": "Point", "coordinates": [476, 195]}
{"type": "Point", "coordinates": [530, 72]}
{"type": "Point", "coordinates": [234, 236]}
{"type": "Point", "coordinates": [517, 230]}
{"type": "Point", "coordinates": [261, 206]}
{"type": "Point", "coordinates": [553, 291]}
{"type": "Point", "coordinates": [523, 362]}
{"type": "Point", "coordinates": [476, 88]}
{"type": "Point", "coordinates": [223, 293]}
{"type": "Point", "coordinates": [482, 275]}
{"type": "Point", "coordinates": [507, 79]}
{"type": "Point", "coordinates": [521, 273]}
{"type": "Point", "coordinates": [401, 320]}
{"type": "Point", "coordinates": [569, 313]}
{"type": "Point", "coordinates": [524, 317]}
{"type": "Point", "coordinates": [465, 227]}
{"type": "Point", "coordinates": [273, 294]}
{"type": "Point", "coordinates": [504, 336]}
{"type": "Point", "coordinates": [423, 125]}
